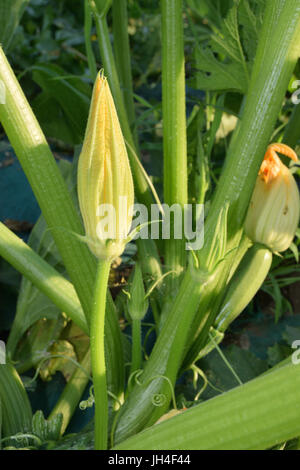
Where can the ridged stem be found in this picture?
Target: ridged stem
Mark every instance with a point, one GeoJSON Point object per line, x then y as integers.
{"type": "Point", "coordinates": [160, 371]}
{"type": "Point", "coordinates": [42, 275]}
{"type": "Point", "coordinates": [98, 356]}
{"type": "Point", "coordinates": [174, 124]}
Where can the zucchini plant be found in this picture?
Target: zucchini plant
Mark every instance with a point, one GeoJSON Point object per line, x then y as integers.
{"type": "Point", "coordinates": [244, 55]}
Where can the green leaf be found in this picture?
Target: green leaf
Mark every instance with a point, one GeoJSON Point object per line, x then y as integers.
{"type": "Point", "coordinates": [278, 353]}
{"type": "Point", "coordinates": [69, 92]}
{"type": "Point", "coordinates": [250, 19]}
{"type": "Point", "coordinates": [11, 12]}
{"type": "Point", "coordinates": [52, 119]}
{"type": "Point", "coordinates": [37, 344]}
{"type": "Point", "coordinates": [277, 296]}
{"type": "Point", "coordinates": [210, 10]}
{"type": "Point", "coordinates": [294, 249]}
{"type": "Point", "coordinates": [46, 429]}
{"type": "Point", "coordinates": [32, 306]}
{"type": "Point", "coordinates": [216, 75]}
{"type": "Point", "coordinates": [291, 334]}
{"type": "Point", "coordinates": [16, 410]}
{"type": "Point", "coordinates": [225, 62]}
{"type": "Point", "coordinates": [245, 364]}
{"type": "Point", "coordinates": [62, 351]}
{"type": "Point", "coordinates": [83, 440]}
{"type": "Point", "coordinates": [228, 41]}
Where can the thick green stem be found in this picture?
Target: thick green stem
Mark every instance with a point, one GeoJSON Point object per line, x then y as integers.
{"type": "Point", "coordinates": [42, 275]}
{"type": "Point", "coordinates": [98, 356]}
{"type": "Point", "coordinates": [72, 393]}
{"type": "Point", "coordinates": [174, 122]}
{"type": "Point", "coordinates": [253, 416]}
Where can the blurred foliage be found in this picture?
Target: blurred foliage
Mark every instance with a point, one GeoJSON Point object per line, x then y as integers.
{"type": "Point", "coordinates": [48, 32]}
{"type": "Point", "coordinates": [11, 12]}
{"type": "Point", "coordinates": [224, 61]}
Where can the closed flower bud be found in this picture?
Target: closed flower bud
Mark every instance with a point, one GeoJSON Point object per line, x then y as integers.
{"type": "Point", "coordinates": [137, 302]}
{"type": "Point", "coordinates": [105, 186]}
{"type": "Point", "coordinates": [273, 214]}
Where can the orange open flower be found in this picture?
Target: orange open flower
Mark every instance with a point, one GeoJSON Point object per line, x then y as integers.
{"type": "Point", "coordinates": [273, 214]}
{"type": "Point", "coordinates": [272, 165]}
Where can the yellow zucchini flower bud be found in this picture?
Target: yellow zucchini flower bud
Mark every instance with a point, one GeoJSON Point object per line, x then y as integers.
{"type": "Point", "coordinates": [105, 186]}
{"type": "Point", "coordinates": [273, 214]}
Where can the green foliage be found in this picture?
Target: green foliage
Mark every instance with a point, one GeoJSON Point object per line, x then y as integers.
{"type": "Point", "coordinates": [50, 31]}
{"type": "Point", "coordinates": [64, 99]}
{"type": "Point", "coordinates": [226, 61]}
{"type": "Point", "coordinates": [83, 440]}
{"type": "Point", "coordinates": [37, 344]}
{"type": "Point", "coordinates": [284, 273]}
{"type": "Point", "coordinates": [11, 12]}
{"type": "Point", "coordinates": [15, 407]}
{"type": "Point", "coordinates": [46, 429]}
{"type": "Point", "coordinates": [244, 363]}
